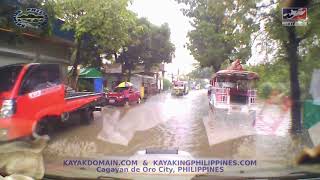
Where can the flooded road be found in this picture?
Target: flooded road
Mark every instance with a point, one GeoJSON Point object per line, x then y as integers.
{"type": "Point", "coordinates": [168, 122]}
{"type": "Point", "coordinates": [163, 121]}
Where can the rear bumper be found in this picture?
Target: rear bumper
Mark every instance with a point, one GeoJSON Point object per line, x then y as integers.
{"type": "Point", "coordinates": [235, 108]}
{"type": "Point", "coordinates": [114, 101]}
{"type": "Point", "coordinates": [177, 92]}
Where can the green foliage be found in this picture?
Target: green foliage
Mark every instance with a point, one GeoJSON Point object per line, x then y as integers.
{"type": "Point", "coordinates": [311, 62]}
{"type": "Point", "coordinates": [201, 73]}
{"type": "Point", "coordinates": [150, 45]}
{"type": "Point", "coordinates": [275, 75]}
{"type": "Point", "coordinates": [265, 90]}
{"type": "Point", "coordinates": [166, 84]}
{"type": "Point", "coordinates": [222, 30]}
{"type": "Point", "coordinates": [106, 22]}
{"type": "Point", "coordinates": [279, 32]}
{"type": "Point", "coordinates": [272, 76]}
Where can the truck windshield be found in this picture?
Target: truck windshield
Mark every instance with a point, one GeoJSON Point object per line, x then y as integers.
{"type": "Point", "coordinates": [8, 76]}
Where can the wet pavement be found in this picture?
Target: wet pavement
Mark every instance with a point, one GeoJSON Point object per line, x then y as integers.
{"type": "Point", "coordinates": [186, 123]}
{"type": "Point", "coordinates": [163, 121]}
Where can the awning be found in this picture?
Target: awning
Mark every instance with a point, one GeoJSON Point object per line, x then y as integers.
{"type": "Point", "coordinates": [90, 73]}
{"type": "Point", "coordinates": [125, 84]}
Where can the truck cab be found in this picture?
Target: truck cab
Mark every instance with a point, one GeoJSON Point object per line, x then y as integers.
{"type": "Point", "coordinates": [33, 97]}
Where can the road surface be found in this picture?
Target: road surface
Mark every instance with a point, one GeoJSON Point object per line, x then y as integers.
{"type": "Point", "coordinates": [169, 122]}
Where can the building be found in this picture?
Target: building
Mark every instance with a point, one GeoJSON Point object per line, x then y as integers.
{"type": "Point", "coordinates": [29, 47]}
{"type": "Point", "coordinates": [149, 83]}
{"type": "Point", "coordinates": [23, 40]}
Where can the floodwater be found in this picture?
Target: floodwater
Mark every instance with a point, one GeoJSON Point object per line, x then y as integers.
{"type": "Point", "coordinates": [187, 123]}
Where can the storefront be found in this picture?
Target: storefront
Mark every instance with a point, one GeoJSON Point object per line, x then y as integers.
{"type": "Point", "coordinates": [90, 80]}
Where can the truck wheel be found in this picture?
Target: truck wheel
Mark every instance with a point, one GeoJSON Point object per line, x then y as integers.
{"type": "Point", "coordinates": [86, 117]}
{"type": "Point", "coordinates": [43, 127]}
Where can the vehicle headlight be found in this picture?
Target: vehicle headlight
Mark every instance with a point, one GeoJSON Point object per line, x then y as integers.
{"type": "Point", "coordinates": [8, 108]}
{"type": "Point", "coordinates": [122, 96]}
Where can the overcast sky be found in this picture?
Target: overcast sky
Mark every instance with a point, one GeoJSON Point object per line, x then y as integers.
{"type": "Point", "coordinates": [162, 11]}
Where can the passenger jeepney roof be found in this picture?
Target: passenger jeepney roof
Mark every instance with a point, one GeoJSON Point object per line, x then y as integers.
{"type": "Point", "coordinates": [245, 75]}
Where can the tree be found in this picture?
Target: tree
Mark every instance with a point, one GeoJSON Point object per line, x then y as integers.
{"type": "Point", "coordinates": [201, 73]}
{"type": "Point", "coordinates": [105, 22]}
{"type": "Point", "coordinates": [220, 31]}
{"type": "Point", "coordinates": [161, 49]}
{"type": "Point", "coordinates": [166, 84]}
{"type": "Point", "coordinates": [149, 45]}
{"type": "Point", "coordinates": [289, 38]}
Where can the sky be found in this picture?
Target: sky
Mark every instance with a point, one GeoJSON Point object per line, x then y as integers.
{"type": "Point", "coordinates": [168, 11]}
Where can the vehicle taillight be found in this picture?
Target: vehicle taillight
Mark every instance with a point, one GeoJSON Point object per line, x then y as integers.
{"type": "Point", "coordinates": [8, 108]}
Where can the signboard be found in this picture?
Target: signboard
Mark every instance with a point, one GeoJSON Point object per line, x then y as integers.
{"type": "Point", "coordinates": [117, 68]}
{"type": "Point", "coordinates": [294, 16]}
{"type": "Point", "coordinates": [30, 18]}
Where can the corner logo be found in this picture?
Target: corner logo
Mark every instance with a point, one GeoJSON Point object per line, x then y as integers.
{"type": "Point", "coordinates": [30, 18]}
{"type": "Point", "coordinates": [294, 16]}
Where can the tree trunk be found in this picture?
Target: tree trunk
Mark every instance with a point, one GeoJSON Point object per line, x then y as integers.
{"type": "Point", "coordinates": [116, 57]}
{"type": "Point", "coordinates": [74, 76]}
{"type": "Point", "coordinates": [129, 74]}
{"type": "Point", "coordinates": [293, 59]}
{"type": "Point", "coordinates": [216, 67]}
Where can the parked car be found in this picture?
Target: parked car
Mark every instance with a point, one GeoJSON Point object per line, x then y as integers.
{"type": "Point", "coordinates": [33, 100]}
{"type": "Point", "coordinates": [124, 96]}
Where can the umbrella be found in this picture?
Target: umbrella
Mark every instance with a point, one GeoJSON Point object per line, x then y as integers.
{"type": "Point", "coordinates": [125, 84]}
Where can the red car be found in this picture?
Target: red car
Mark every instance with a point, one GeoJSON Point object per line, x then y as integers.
{"type": "Point", "coordinates": [33, 100]}
{"type": "Point", "coordinates": [124, 96]}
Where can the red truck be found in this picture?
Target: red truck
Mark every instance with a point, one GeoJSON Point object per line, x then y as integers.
{"type": "Point", "coordinates": [33, 100]}
{"type": "Point", "coordinates": [123, 96]}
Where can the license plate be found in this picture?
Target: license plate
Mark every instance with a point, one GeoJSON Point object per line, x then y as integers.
{"type": "Point", "coordinates": [112, 101]}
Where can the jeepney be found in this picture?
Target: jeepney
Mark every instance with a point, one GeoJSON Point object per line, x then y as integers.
{"type": "Point", "coordinates": [233, 90]}
{"type": "Point", "coordinates": [180, 88]}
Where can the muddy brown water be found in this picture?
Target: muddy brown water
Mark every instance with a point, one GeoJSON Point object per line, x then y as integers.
{"type": "Point", "coordinates": [165, 121]}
